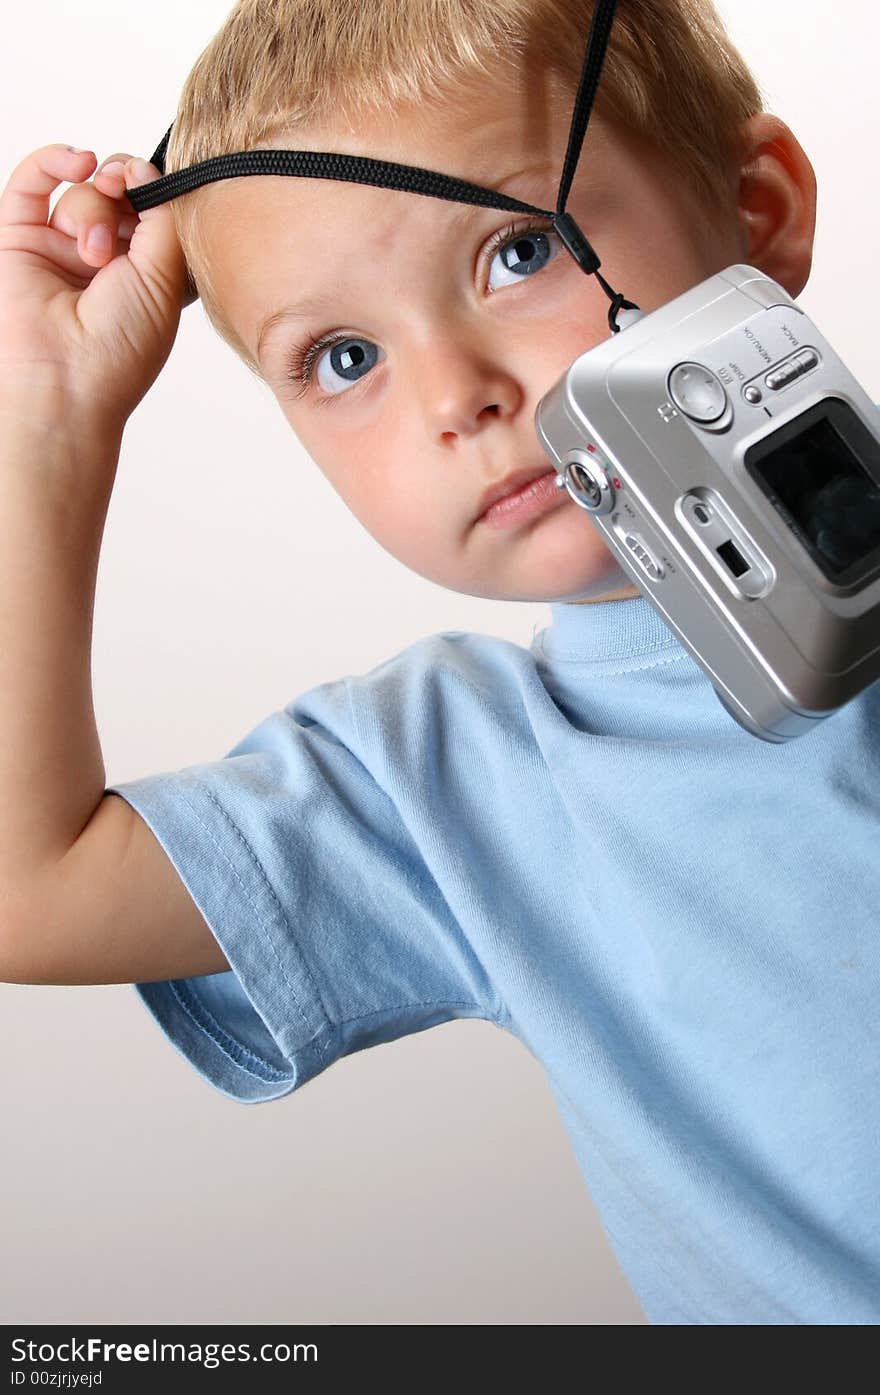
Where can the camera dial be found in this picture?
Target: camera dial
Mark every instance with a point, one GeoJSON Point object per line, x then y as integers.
{"type": "Point", "coordinates": [583, 474]}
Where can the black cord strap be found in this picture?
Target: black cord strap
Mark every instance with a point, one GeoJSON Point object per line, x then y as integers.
{"type": "Point", "coordinates": [357, 169]}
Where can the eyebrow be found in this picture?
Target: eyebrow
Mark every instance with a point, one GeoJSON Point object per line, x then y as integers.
{"type": "Point", "coordinates": [315, 304]}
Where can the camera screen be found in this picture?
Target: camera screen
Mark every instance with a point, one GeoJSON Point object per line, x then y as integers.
{"type": "Point", "coordinates": [821, 472]}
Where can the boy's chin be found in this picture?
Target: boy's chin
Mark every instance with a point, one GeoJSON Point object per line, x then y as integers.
{"type": "Point", "coordinates": [608, 583]}
{"type": "Point", "coordinates": [574, 579]}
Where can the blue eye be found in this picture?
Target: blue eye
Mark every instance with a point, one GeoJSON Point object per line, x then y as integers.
{"type": "Point", "coordinates": [345, 361]}
{"type": "Point", "coordinates": [522, 251]}
{"type": "Point", "coordinates": [349, 360]}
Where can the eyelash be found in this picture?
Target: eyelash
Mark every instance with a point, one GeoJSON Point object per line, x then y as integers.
{"type": "Point", "coordinates": [300, 359]}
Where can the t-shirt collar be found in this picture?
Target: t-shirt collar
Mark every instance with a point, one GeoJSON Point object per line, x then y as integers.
{"type": "Point", "coordinates": [605, 630]}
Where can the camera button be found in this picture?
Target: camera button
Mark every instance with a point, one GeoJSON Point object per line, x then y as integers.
{"type": "Point", "coordinates": [648, 563]}
{"type": "Point", "coordinates": [786, 373]}
{"type": "Point", "coordinates": [807, 360]}
{"type": "Point", "coordinates": [697, 392]}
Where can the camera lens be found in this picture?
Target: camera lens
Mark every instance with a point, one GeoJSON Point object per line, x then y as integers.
{"type": "Point", "coordinates": [585, 484]}
{"type": "Point", "coordinates": [701, 513]}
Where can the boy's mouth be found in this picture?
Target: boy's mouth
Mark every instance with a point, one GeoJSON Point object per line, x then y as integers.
{"type": "Point", "coordinates": [510, 485]}
{"type": "Point", "coordinates": [521, 497]}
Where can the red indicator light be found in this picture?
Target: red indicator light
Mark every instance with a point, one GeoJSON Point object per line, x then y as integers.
{"type": "Point", "coordinates": [617, 484]}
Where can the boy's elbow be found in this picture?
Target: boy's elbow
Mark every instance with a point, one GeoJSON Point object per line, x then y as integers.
{"type": "Point", "coordinates": [20, 939]}
{"type": "Point", "coordinates": [16, 939]}
{"type": "Point", "coordinates": [38, 940]}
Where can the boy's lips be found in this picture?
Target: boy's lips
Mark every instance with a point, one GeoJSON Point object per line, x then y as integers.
{"type": "Point", "coordinates": [511, 483]}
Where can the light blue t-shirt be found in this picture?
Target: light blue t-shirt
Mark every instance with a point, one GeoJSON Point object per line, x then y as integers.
{"type": "Point", "coordinates": [574, 841]}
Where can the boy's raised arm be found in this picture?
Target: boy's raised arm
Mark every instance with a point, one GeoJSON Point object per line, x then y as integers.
{"type": "Point", "coordinates": [87, 895]}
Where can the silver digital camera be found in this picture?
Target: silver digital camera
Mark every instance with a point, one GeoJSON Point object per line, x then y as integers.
{"type": "Point", "coordinates": [731, 463]}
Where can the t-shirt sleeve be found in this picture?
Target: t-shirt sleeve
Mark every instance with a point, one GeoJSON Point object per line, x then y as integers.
{"type": "Point", "coordinates": [337, 936]}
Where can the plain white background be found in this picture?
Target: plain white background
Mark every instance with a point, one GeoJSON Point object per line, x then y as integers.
{"type": "Point", "coordinates": [428, 1180]}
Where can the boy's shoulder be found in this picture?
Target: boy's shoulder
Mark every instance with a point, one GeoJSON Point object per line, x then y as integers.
{"type": "Point", "coordinates": [449, 672]}
{"type": "Point", "coordinates": [430, 659]}
{"type": "Point", "coordinates": [449, 662]}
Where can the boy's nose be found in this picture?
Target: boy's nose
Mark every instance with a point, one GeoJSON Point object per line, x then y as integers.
{"type": "Point", "coordinates": [462, 392]}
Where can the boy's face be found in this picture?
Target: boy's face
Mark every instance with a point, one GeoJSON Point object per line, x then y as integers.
{"type": "Point", "coordinates": [450, 353]}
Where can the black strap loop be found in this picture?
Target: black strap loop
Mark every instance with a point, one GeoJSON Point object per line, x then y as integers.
{"type": "Point", "coordinates": [357, 169]}
{"type": "Point", "coordinates": [618, 302]}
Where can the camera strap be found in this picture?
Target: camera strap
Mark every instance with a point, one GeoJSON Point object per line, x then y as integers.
{"type": "Point", "coordinates": [311, 164]}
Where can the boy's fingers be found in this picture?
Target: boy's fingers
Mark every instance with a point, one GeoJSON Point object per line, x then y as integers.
{"type": "Point", "coordinates": [156, 251]}
{"type": "Point", "coordinates": [84, 206]}
{"type": "Point", "coordinates": [25, 199]}
{"type": "Point", "coordinates": [121, 155]}
{"type": "Point", "coordinates": [167, 237]}
{"type": "Point", "coordinates": [111, 172]}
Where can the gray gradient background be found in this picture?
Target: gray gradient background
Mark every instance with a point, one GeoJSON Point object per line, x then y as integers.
{"type": "Point", "coordinates": [424, 1181]}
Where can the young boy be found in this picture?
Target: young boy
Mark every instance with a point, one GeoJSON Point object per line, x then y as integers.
{"type": "Point", "coordinates": [573, 841]}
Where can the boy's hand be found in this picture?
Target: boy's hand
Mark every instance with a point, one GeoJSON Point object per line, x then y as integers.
{"type": "Point", "coordinates": [85, 329]}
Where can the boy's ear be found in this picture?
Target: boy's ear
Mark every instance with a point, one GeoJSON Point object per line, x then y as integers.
{"type": "Point", "coordinates": [775, 195]}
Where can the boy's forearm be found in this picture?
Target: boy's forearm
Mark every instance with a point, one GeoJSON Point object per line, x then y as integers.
{"type": "Point", "coordinates": [56, 478]}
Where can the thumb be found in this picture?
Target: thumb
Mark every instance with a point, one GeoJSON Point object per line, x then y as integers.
{"type": "Point", "coordinates": [155, 248]}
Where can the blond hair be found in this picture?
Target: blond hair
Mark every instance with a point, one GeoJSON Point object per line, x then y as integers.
{"type": "Point", "coordinates": [671, 76]}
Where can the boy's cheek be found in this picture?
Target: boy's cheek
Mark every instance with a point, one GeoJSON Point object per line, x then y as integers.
{"type": "Point", "coordinates": [401, 523]}
{"type": "Point", "coordinates": [407, 546]}
{"type": "Point", "coordinates": [408, 516]}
